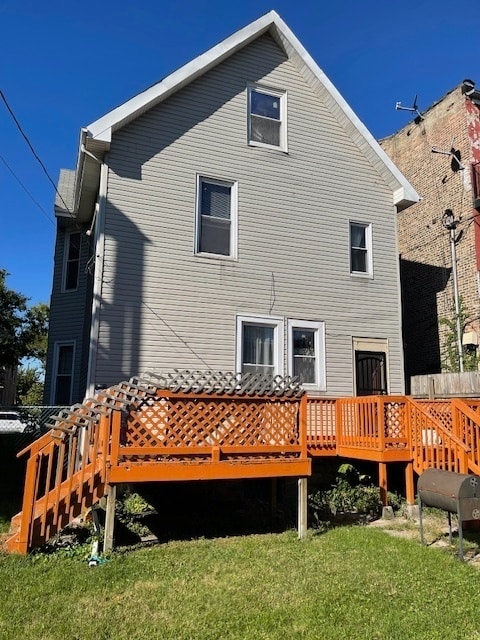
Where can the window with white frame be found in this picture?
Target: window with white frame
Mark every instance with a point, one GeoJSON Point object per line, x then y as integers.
{"type": "Point", "coordinates": [216, 217]}
{"type": "Point", "coordinates": [306, 353]}
{"type": "Point", "coordinates": [71, 264]}
{"type": "Point", "coordinates": [361, 249]}
{"type": "Point", "coordinates": [63, 374]}
{"type": "Point", "coordinates": [267, 117]}
{"type": "Point", "coordinates": [260, 345]}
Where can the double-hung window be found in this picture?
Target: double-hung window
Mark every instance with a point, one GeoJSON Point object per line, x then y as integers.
{"type": "Point", "coordinates": [216, 217]}
{"type": "Point", "coordinates": [267, 117]}
{"type": "Point", "coordinates": [361, 262]}
{"type": "Point", "coordinates": [306, 352]}
{"type": "Point", "coordinates": [71, 264]}
{"type": "Point", "coordinates": [259, 345]}
{"type": "Point", "coordinates": [63, 374]}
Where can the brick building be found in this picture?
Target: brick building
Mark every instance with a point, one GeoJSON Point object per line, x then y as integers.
{"type": "Point", "coordinates": [439, 153]}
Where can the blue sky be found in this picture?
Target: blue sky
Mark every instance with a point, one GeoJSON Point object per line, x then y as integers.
{"type": "Point", "coordinates": [65, 64]}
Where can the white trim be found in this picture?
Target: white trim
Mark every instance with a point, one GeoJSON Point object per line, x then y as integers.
{"type": "Point", "coordinates": [66, 251]}
{"type": "Point", "coordinates": [101, 130]}
{"type": "Point", "coordinates": [369, 249]}
{"type": "Point", "coordinates": [320, 383]}
{"type": "Point", "coordinates": [233, 217]}
{"type": "Point", "coordinates": [99, 247]}
{"type": "Point", "coordinates": [281, 94]}
{"type": "Point", "coordinates": [56, 351]}
{"type": "Point", "coordinates": [271, 321]}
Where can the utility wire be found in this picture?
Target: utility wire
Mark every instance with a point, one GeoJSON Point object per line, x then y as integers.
{"type": "Point", "coordinates": [26, 190]}
{"type": "Point", "coordinates": [35, 154]}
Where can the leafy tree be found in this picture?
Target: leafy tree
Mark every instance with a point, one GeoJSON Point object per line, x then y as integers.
{"type": "Point", "coordinates": [23, 330]}
{"type": "Point", "coordinates": [450, 357]}
{"type": "Point", "coordinates": [29, 386]}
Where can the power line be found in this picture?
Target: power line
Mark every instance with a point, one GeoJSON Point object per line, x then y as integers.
{"type": "Point", "coordinates": [35, 154]}
{"type": "Point", "coordinates": [26, 190]}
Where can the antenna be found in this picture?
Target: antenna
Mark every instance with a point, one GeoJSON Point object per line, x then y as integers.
{"type": "Point", "coordinates": [413, 108]}
{"type": "Point", "coordinates": [455, 154]}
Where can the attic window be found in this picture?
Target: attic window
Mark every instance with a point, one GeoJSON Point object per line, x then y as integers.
{"type": "Point", "coordinates": [267, 117]}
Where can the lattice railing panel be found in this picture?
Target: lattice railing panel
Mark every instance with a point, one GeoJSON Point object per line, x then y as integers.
{"type": "Point", "coordinates": [395, 423]}
{"type": "Point", "coordinates": [196, 422]}
{"type": "Point", "coordinates": [440, 410]}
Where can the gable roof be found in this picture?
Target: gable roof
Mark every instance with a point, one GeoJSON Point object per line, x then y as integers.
{"type": "Point", "coordinates": [97, 136]}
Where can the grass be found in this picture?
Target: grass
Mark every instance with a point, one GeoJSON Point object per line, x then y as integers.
{"type": "Point", "coordinates": [349, 583]}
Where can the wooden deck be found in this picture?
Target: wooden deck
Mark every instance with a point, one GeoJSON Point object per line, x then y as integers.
{"type": "Point", "coordinates": [137, 433]}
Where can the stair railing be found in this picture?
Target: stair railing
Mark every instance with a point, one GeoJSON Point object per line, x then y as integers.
{"type": "Point", "coordinates": [466, 422]}
{"type": "Point", "coordinates": [65, 474]}
{"type": "Point", "coordinates": [433, 444]}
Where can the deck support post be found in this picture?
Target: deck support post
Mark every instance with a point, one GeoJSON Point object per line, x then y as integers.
{"type": "Point", "coordinates": [274, 502]}
{"type": "Point", "coordinates": [109, 518]}
{"type": "Point", "coordinates": [409, 485]}
{"type": "Point", "coordinates": [302, 508]}
{"type": "Point", "coordinates": [382, 482]}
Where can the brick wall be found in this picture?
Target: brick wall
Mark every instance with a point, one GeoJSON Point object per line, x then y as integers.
{"type": "Point", "coordinates": [424, 243]}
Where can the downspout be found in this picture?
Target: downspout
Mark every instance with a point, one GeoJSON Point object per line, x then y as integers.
{"type": "Point", "coordinates": [99, 245]}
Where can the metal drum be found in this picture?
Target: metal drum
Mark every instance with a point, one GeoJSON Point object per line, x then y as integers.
{"type": "Point", "coordinates": [452, 492]}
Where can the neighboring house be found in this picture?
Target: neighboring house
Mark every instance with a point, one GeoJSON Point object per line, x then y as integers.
{"type": "Point", "coordinates": [439, 153]}
{"type": "Point", "coordinates": [235, 216]}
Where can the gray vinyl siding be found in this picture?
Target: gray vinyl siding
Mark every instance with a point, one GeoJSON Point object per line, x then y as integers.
{"type": "Point", "coordinates": [70, 314]}
{"type": "Point", "coordinates": [164, 307]}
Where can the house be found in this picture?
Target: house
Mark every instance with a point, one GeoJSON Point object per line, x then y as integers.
{"type": "Point", "coordinates": [439, 153]}
{"type": "Point", "coordinates": [236, 216]}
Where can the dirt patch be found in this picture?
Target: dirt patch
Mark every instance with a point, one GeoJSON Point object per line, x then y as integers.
{"type": "Point", "coordinates": [435, 532]}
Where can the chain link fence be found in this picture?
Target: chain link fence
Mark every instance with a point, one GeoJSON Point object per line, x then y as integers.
{"type": "Point", "coordinates": [19, 427]}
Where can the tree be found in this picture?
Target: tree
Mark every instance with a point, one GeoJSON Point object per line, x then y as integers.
{"type": "Point", "coordinates": [29, 386]}
{"type": "Point", "coordinates": [23, 335]}
{"type": "Point", "coordinates": [23, 330]}
{"type": "Point", "coordinates": [450, 355]}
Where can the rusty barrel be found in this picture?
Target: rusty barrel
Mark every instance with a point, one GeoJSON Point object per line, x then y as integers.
{"type": "Point", "coordinates": [453, 492]}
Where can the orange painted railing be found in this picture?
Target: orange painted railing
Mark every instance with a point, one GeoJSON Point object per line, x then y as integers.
{"type": "Point", "coordinates": [174, 435]}
{"type": "Point", "coordinates": [65, 474]}
{"type": "Point", "coordinates": [433, 444]}
{"type": "Point", "coordinates": [376, 423]}
{"type": "Point", "coordinates": [170, 436]}
{"type": "Point", "coordinates": [322, 425]}
{"type": "Point", "coordinates": [441, 410]}
{"type": "Point", "coordinates": [466, 418]}
{"type": "Point", "coordinates": [181, 430]}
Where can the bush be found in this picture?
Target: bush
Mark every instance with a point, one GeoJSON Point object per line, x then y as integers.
{"type": "Point", "coordinates": [130, 509]}
{"type": "Point", "coordinates": [351, 493]}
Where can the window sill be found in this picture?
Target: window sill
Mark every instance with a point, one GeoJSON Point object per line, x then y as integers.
{"type": "Point", "coordinates": [361, 276]}
{"type": "Point", "coordinates": [313, 388]}
{"type": "Point", "coordinates": [268, 147]}
{"type": "Point", "coordinates": [215, 256]}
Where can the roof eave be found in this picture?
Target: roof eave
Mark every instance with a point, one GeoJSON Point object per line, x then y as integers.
{"type": "Point", "coordinates": [103, 128]}
{"type": "Point", "coordinates": [99, 133]}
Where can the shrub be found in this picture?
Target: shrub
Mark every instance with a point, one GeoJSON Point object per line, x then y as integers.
{"type": "Point", "coordinates": [351, 493]}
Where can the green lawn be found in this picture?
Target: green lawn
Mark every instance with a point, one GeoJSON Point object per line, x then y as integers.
{"type": "Point", "coordinates": [349, 583]}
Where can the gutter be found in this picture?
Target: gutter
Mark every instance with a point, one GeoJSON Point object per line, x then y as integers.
{"type": "Point", "coordinates": [99, 243]}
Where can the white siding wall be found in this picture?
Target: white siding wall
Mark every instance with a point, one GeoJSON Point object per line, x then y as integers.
{"type": "Point", "coordinates": [164, 307]}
